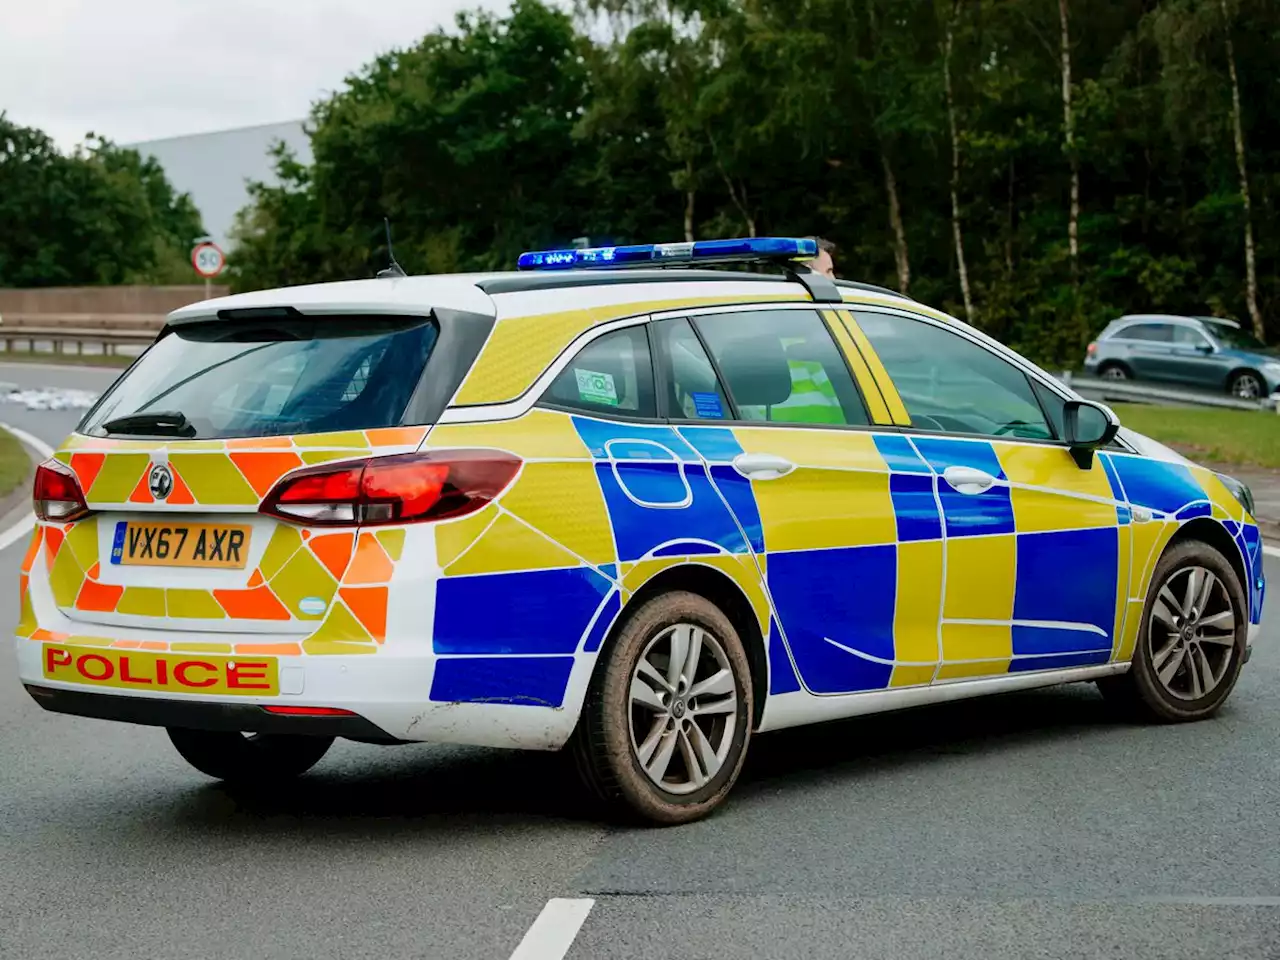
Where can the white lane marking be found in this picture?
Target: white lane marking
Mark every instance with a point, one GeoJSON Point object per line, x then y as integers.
{"type": "Point", "coordinates": [1271, 551]}
{"type": "Point", "coordinates": [17, 531]}
{"type": "Point", "coordinates": [32, 441]}
{"type": "Point", "coordinates": [552, 934]}
{"type": "Point", "coordinates": [23, 526]}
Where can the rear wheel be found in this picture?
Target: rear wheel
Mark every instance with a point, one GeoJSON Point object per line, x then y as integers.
{"type": "Point", "coordinates": [249, 758]}
{"type": "Point", "coordinates": [1247, 385]}
{"type": "Point", "coordinates": [1192, 640]}
{"type": "Point", "coordinates": [667, 720]}
{"type": "Point", "coordinates": [1114, 371]}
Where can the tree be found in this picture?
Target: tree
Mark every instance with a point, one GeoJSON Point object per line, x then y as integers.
{"type": "Point", "coordinates": [99, 215]}
{"type": "Point", "coordinates": [938, 142]}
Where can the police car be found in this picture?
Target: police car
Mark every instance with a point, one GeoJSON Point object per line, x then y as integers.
{"type": "Point", "coordinates": [599, 503]}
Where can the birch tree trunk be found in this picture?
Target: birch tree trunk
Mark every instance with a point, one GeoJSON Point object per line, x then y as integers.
{"type": "Point", "coordinates": [895, 222]}
{"type": "Point", "coordinates": [1250, 259]}
{"type": "Point", "coordinates": [1069, 131]}
{"type": "Point", "coordinates": [956, 231]}
{"type": "Point", "coordinates": [688, 203]}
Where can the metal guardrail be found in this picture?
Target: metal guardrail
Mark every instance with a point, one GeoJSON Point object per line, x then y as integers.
{"type": "Point", "coordinates": [1129, 391]}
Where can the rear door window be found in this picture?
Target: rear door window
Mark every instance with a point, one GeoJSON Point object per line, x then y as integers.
{"type": "Point", "coordinates": [611, 376]}
{"type": "Point", "coordinates": [265, 378]}
{"type": "Point", "coordinates": [782, 366]}
{"type": "Point", "coordinates": [1150, 332]}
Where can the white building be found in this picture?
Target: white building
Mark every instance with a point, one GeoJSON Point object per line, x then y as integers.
{"type": "Point", "coordinates": [215, 167]}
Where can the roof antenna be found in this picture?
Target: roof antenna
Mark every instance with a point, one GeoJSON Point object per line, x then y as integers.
{"type": "Point", "coordinates": [395, 270]}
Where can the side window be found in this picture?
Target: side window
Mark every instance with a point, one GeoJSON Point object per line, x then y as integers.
{"type": "Point", "coordinates": [1152, 332]}
{"type": "Point", "coordinates": [610, 376]}
{"type": "Point", "coordinates": [1189, 337]}
{"type": "Point", "coordinates": [950, 384]}
{"type": "Point", "coordinates": [782, 366]}
{"type": "Point", "coordinates": [1052, 404]}
{"type": "Point", "coordinates": [693, 389]}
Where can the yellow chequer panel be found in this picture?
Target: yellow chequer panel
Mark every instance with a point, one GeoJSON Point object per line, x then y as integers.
{"type": "Point", "coordinates": [538, 435]}
{"type": "Point", "coordinates": [979, 668]}
{"type": "Point", "coordinates": [980, 578]}
{"type": "Point", "coordinates": [1149, 541]}
{"type": "Point", "coordinates": [1132, 625]}
{"type": "Point", "coordinates": [1222, 499]}
{"type": "Point", "coordinates": [511, 545]}
{"type": "Point", "coordinates": [976, 641]}
{"type": "Point", "coordinates": [193, 604]}
{"type": "Point", "coordinates": [917, 605]}
{"type": "Point", "coordinates": [740, 568]}
{"type": "Point", "coordinates": [1122, 582]}
{"type": "Point", "coordinates": [1064, 503]}
{"type": "Point", "coordinates": [455, 536]}
{"type": "Point", "coordinates": [565, 502]}
{"type": "Point", "coordinates": [849, 478]}
{"type": "Point", "coordinates": [521, 348]}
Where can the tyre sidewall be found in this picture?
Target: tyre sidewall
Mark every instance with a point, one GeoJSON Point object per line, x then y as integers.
{"type": "Point", "coordinates": [1152, 691]}
{"type": "Point", "coordinates": [640, 792]}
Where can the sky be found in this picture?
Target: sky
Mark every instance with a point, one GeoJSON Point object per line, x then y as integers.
{"type": "Point", "coordinates": [136, 70]}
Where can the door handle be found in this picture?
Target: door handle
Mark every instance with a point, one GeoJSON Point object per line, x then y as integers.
{"type": "Point", "coordinates": [968, 480]}
{"type": "Point", "coordinates": [762, 466]}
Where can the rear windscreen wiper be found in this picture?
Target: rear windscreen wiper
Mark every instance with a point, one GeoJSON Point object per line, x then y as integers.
{"type": "Point", "coordinates": [157, 423]}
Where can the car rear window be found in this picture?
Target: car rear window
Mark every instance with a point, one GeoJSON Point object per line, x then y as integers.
{"type": "Point", "coordinates": [269, 377]}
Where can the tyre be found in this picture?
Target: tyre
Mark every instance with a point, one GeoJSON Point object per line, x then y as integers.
{"type": "Point", "coordinates": [667, 719]}
{"type": "Point", "coordinates": [1247, 385]}
{"type": "Point", "coordinates": [1114, 371]}
{"type": "Point", "coordinates": [249, 758]}
{"type": "Point", "coordinates": [1191, 643]}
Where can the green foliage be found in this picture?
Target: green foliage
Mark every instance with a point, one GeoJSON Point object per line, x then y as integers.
{"type": "Point", "coordinates": [100, 215]}
{"type": "Point", "coordinates": [1212, 436]}
{"type": "Point", "coordinates": [646, 119]}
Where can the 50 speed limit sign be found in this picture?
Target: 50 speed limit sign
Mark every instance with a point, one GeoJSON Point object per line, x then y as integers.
{"type": "Point", "coordinates": [208, 260]}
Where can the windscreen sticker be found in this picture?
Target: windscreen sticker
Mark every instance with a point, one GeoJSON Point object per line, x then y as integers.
{"type": "Point", "coordinates": [708, 406]}
{"type": "Point", "coordinates": [596, 387]}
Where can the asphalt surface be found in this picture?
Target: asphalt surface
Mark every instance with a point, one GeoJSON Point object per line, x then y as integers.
{"type": "Point", "coordinates": [1028, 825]}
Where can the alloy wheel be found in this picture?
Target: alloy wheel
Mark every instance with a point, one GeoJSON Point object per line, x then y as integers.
{"type": "Point", "coordinates": [1247, 387]}
{"type": "Point", "coordinates": [684, 707]}
{"type": "Point", "coordinates": [1192, 634]}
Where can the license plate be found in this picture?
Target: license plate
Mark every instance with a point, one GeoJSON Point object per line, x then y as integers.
{"type": "Point", "coordinates": [162, 672]}
{"type": "Point", "coordinates": [180, 544]}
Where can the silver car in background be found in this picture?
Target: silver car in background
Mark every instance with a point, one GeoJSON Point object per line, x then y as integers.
{"type": "Point", "coordinates": [1205, 352]}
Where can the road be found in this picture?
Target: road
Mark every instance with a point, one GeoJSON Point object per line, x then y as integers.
{"type": "Point", "coordinates": [1030, 825]}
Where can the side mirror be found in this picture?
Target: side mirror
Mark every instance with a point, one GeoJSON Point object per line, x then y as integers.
{"type": "Point", "coordinates": [1087, 426]}
{"type": "Point", "coordinates": [1207, 348]}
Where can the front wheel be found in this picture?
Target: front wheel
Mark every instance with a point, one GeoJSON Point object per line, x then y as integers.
{"type": "Point", "coordinates": [1247, 386]}
{"type": "Point", "coordinates": [249, 758]}
{"type": "Point", "coordinates": [667, 720]}
{"type": "Point", "coordinates": [1192, 640]}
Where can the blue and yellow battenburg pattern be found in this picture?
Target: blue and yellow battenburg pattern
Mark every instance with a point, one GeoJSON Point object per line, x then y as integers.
{"type": "Point", "coordinates": [897, 579]}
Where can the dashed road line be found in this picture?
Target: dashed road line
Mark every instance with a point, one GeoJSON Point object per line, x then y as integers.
{"type": "Point", "coordinates": [553, 933]}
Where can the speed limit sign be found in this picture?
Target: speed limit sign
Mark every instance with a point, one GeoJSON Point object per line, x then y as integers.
{"type": "Point", "coordinates": [208, 260]}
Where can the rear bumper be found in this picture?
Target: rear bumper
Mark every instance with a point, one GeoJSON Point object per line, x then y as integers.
{"type": "Point", "coordinates": [197, 715]}
{"type": "Point", "coordinates": [393, 695]}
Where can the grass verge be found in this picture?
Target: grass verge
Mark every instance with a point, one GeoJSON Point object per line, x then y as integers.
{"type": "Point", "coordinates": [68, 359]}
{"type": "Point", "coordinates": [14, 463]}
{"type": "Point", "coordinates": [1220, 436]}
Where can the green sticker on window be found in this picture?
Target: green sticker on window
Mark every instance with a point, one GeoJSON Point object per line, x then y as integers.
{"type": "Point", "coordinates": [596, 387]}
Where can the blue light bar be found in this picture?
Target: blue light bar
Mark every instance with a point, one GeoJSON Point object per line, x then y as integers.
{"type": "Point", "coordinates": [742, 250]}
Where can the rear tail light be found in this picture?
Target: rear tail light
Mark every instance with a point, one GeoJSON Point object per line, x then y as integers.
{"type": "Point", "coordinates": [403, 489]}
{"type": "Point", "coordinates": [1091, 349]}
{"type": "Point", "coordinates": [57, 495]}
